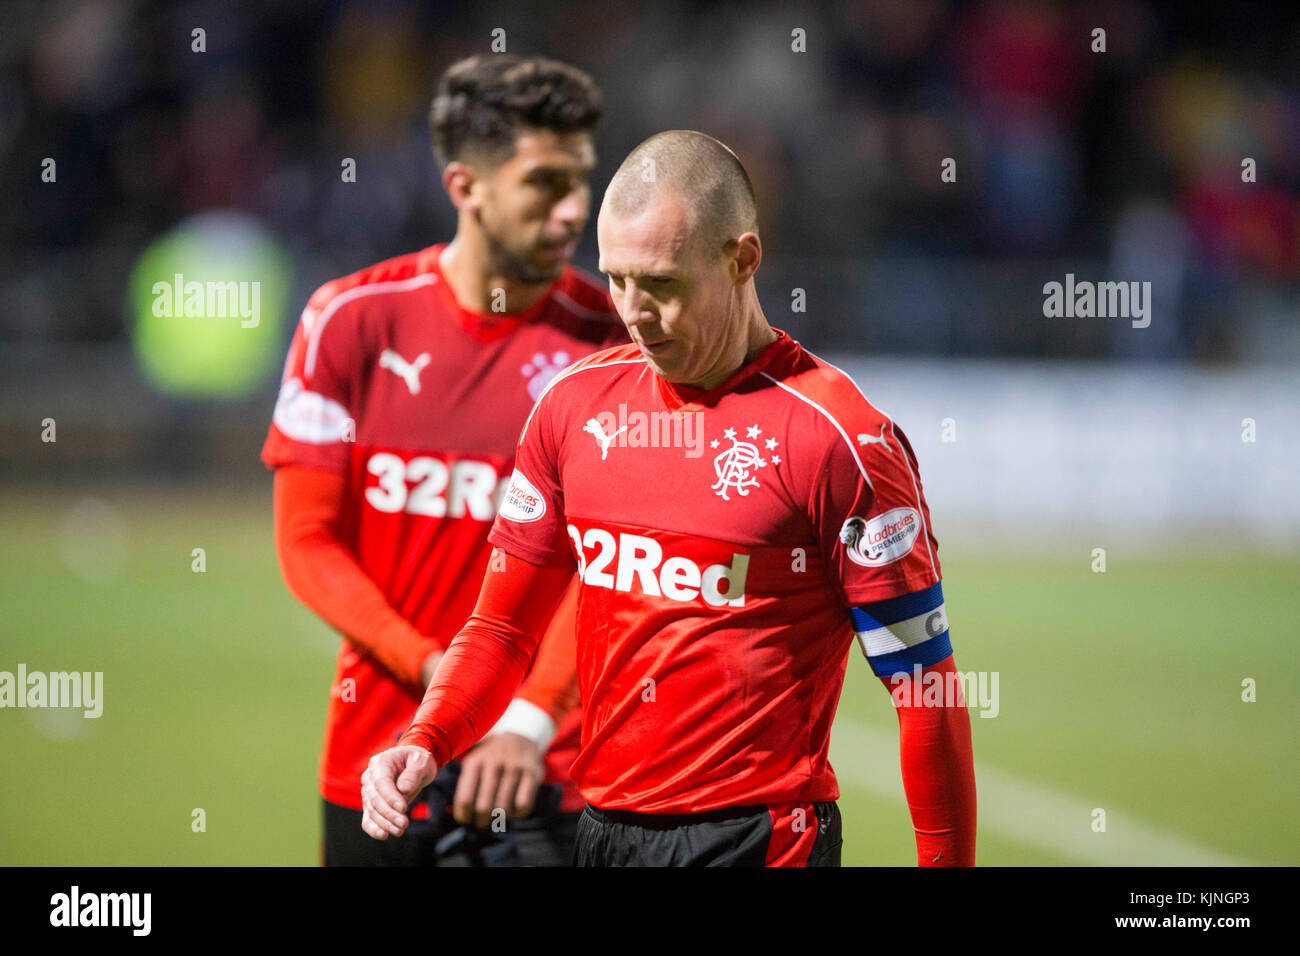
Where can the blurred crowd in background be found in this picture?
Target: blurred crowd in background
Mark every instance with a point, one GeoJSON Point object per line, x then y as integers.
{"type": "Point", "coordinates": [1122, 165]}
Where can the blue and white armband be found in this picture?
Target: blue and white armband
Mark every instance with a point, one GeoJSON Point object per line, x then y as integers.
{"type": "Point", "coordinates": [899, 633]}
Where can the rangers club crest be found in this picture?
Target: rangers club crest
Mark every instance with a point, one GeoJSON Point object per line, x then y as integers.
{"type": "Point", "coordinates": [736, 467]}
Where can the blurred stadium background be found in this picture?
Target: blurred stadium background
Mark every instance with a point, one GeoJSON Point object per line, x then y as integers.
{"type": "Point", "coordinates": [1040, 440]}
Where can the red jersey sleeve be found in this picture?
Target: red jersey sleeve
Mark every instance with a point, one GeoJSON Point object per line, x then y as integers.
{"type": "Point", "coordinates": [552, 683]}
{"type": "Point", "coordinates": [870, 515]}
{"type": "Point", "coordinates": [485, 663]}
{"type": "Point", "coordinates": [313, 419]}
{"type": "Point", "coordinates": [325, 576]}
{"type": "Point", "coordinates": [530, 522]}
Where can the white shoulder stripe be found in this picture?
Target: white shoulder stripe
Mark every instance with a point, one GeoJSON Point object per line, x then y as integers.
{"type": "Point", "coordinates": [830, 418]}
{"type": "Point", "coordinates": [373, 288]}
{"type": "Point", "coordinates": [916, 488]}
{"type": "Point", "coordinates": [565, 374]}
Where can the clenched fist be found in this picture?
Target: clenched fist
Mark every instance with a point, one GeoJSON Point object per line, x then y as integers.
{"type": "Point", "coordinates": [391, 781]}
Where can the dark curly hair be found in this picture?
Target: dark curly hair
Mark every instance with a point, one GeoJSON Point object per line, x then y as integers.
{"type": "Point", "coordinates": [484, 101]}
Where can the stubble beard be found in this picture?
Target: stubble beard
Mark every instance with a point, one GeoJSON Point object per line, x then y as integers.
{"type": "Point", "coordinates": [516, 266]}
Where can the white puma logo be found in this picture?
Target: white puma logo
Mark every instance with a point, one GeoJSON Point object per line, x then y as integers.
{"type": "Point", "coordinates": [871, 440]}
{"type": "Point", "coordinates": [593, 427]}
{"type": "Point", "coordinates": [408, 371]}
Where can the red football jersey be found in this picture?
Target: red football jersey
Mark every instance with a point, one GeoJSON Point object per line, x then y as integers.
{"type": "Point", "coordinates": [722, 537]}
{"type": "Point", "coordinates": [419, 403]}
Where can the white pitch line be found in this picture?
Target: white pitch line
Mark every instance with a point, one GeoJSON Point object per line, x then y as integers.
{"type": "Point", "coordinates": [1023, 810]}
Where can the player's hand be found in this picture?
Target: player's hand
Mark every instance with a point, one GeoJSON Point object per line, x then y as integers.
{"type": "Point", "coordinates": [428, 667]}
{"type": "Point", "coordinates": [504, 771]}
{"type": "Point", "coordinates": [389, 784]}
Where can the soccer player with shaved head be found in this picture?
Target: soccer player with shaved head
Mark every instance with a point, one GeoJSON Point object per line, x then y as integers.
{"type": "Point", "coordinates": [720, 592]}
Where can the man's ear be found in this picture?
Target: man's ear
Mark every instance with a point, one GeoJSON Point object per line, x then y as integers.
{"type": "Point", "coordinates": [460, 180]}
{"type": "Point", "coordinates": [746, 252]}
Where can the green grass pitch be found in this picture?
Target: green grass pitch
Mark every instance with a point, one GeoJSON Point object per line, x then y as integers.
{"type": "Point", "coordinates": [1119, 691]}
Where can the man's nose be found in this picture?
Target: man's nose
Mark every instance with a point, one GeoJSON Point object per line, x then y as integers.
{"type": "Point", "coordinates": [572, 209]}
{"type": "Point", "coordinates": [636, 306]}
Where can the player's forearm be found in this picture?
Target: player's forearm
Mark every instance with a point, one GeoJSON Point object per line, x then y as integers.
{"type": "Point", "coordinates": [326, 577]}
{"type": "Point", "coordinates": [483, 666]}
{"type": "Point", "coordinates": [938, 771]}
{"type": "Point", "coordinates": [470, 691]}
{"type": "Point", "coordinates": [552, 684]}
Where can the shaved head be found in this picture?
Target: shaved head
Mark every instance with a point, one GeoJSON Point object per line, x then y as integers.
{"type": "Point", "coordinates": [702, 174]}
{"type": "Point", "coordinates": [678, 236]}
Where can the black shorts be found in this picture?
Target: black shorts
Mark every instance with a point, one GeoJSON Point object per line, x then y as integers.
{"type": "Point", "coordinates": [434, 838]}
{"type": "Point", "coordinates": [807, 834]}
